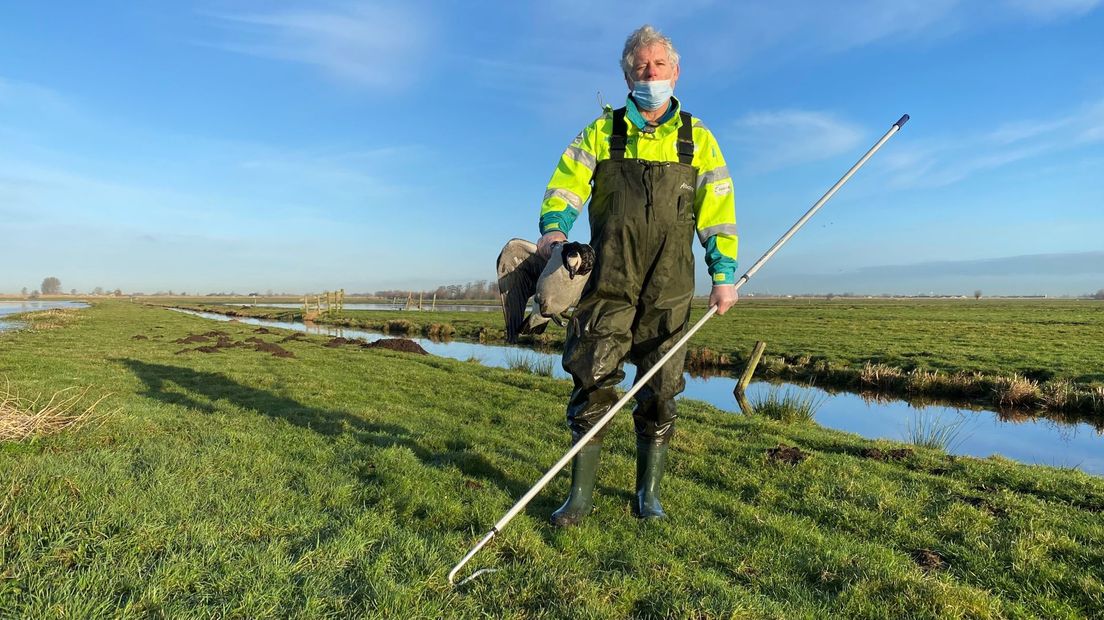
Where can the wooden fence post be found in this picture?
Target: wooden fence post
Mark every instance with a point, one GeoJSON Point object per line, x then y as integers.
{"type": "Point", "coordinates": [750, 370]}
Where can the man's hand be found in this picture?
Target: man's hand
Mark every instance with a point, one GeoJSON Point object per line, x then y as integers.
{"type": "Point", "coordinates": [544, 244]}
{"type": "Point", "coordinates": [723, 296]}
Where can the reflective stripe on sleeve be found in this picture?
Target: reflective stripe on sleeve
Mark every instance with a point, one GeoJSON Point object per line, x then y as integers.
{"type": "Point", "coordinates": [720, 229]}
{"type": "Point", "coordinates": [567, 196]}
{"type": "Point", "coordinates": [577, 154]}
{"type": "Point", "coordinates": [714, 175]}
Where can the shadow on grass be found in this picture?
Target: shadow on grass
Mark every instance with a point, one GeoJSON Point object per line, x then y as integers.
{"type": "Point", "coordinates": [202, 391]}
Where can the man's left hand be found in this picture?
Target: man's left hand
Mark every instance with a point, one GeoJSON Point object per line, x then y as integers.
{"type": "Point", "coordinates": [724, 296]}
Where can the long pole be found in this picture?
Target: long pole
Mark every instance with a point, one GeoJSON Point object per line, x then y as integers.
{"type": "Point", "coordinates": [560, 464]}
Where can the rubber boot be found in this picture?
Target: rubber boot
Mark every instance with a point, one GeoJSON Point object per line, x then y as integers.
{"type": "Point", "coordinates": [584, 469]}
{"type": "Point", "coordinates": [650, 460]}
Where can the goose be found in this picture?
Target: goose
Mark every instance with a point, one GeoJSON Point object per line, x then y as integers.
{"type": "Point", "coordinates": [555, 284]}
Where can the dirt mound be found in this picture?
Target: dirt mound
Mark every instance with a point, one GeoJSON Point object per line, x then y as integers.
{"type": "Point", "coordinates": [983, 504]}
{"type": "Point", "coordinates": [791, 455]}
{"type": "Point", "coordinates": [397, 344]}
{"type": "Point", "coordinates": [274, 349]}
{"type": "Point", "coordinates": [887, 455]}
{"type": "Point", "coordinates": [295, 336]}
{"type": "Point", "coordinates": [203, 349]}
{"type": "Point", "coordinates": [215, 333]}
{"type": "Point", "coordinates": [928, 560]}
{"type": "Point", "coordinates": [337, 342]}
{"type": "Point", "coordinates": [139, 337]}
{"type": "Point", "coordinates": [225, 342]}
{"type": "Point", "coordinates": [262, 330]}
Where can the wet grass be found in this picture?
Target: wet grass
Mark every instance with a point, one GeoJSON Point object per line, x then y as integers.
{"type": "Point", "coordinates": [345, 482]}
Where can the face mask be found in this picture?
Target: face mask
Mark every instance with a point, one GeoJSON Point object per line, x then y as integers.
{"type": "Point", "coordinates": [652, 95]}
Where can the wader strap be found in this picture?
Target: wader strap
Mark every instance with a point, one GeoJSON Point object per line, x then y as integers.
{"type": "Point", "coordinates": [618, 136]}
{"type": "Point", "coordinates": [685, 139]}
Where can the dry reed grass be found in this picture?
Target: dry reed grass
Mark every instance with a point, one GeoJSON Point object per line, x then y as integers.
{"type": "Point", "coordinates": [40, 320]}
{"type": "Point", "coordinates": [706, 357]}
{"type": "Point", "coordinates": [22, 418]}
{"type": "Point", "coordinates": [400, 326]}
{"type": "Point", "coordinates": [439, 330]}
{"type": "Point", "coordinates": [1016, 391]}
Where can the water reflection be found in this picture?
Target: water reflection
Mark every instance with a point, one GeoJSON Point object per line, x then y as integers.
{"type": "Point", "coordinates": [980, 432]}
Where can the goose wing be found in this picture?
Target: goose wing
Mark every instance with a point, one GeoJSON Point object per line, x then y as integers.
{"type": "Point", "coordinates": [519, 267]}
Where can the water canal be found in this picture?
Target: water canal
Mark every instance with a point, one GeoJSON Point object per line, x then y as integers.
{"type": "Point", "coordinates": [978, 432]}
{"type": "Point", "coordinates": [426, 306]}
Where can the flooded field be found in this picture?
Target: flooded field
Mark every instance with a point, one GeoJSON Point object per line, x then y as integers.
{"type": "Point", "coordinates": [19, 307]}
{"type": "Point", "coordinates": [974, 432]}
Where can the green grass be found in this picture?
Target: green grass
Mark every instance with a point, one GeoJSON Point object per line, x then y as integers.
{"type": "Point", "coordinates": [526, 362]}
{"type": "Point", "coordinates": [929, 431]}
{"type": "Point", "coordinates": [787, 405]}
{"type": "Point", "coordinates": [347, 482]}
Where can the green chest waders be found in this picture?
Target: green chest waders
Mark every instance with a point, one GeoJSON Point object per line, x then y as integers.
{"type": "Point", "coordinates": [636, 304]}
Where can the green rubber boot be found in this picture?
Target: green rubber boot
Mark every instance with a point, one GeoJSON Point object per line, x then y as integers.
{"type": "Point", "coordinates": [650, 460]}
{"type": "Point", "coordinates": [584, 469]}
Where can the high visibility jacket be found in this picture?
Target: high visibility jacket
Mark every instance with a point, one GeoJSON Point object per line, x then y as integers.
{"type": "Point", "coordinates": [714, 204]}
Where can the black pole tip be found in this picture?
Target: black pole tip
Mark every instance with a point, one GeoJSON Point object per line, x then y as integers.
{"type": "Point", "coordinates": [901, 122]}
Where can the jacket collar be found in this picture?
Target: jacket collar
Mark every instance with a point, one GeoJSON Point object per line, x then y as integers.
{"type": "Point", "coordinates": [632, 113]}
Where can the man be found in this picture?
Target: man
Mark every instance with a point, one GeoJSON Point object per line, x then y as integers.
{"type": "Point", "coordinates": [654, 176]}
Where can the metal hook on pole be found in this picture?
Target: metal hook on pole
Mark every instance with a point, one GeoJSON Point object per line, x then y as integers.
{"type": "Point", "coordinates": [560, 464]}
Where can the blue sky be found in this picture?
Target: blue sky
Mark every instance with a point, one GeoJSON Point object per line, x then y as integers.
{"type": "Point", "coordinates": [304, 146]}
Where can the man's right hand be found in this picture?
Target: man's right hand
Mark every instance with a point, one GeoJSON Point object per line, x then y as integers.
{"type": "Point", "coordinates": [544, 244]}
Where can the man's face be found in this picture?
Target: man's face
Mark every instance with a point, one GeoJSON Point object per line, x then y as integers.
{"type": "Point", "coordinates": [652, 63]}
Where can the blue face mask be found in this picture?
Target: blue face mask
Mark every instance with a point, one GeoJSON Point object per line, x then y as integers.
{"type": "Point", "coordinates": [652, 95]}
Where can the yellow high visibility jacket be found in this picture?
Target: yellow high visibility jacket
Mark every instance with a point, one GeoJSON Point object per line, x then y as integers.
{"type": "Point", "coordinates": [714, 203]}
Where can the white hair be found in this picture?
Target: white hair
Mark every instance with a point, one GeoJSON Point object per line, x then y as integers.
{"type": "Point", "coordinates": [643, 37]}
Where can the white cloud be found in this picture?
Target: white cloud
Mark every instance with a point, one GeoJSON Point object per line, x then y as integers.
{"type": "Point", "coordinates": [773, 140]}
{"type": "Point", "coordinates": [729, 35]}
{"type": "Point", "coordinates": [1053, 9]}
{"type": "Point", "coordinates": [944, 161]}
{"type": "Point", "coordinates": [366, 45]}
{"type": "Point", "coordinates": [25, 95]}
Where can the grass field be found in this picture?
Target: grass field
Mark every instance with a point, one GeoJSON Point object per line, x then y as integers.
{"type": "Point", "coordinates": [1034, 353]}
{"type": "Point", "coordinates": [347, 481]}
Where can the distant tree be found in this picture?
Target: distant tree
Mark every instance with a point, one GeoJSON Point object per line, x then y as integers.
{"type": "Point", "coordinates": [977, 294]}
{"type": "Point", "coordinates": [98, 290]}
{"type": "Point", "coordinates": [830, 296]}
{"type": "Point", "coordinates": [72, 291]}
{"type": "Point", "coordinates": [23, 292]}
{"type": "Point", "coordinates": [1099, 294]}
{"type": "Point", "coordinates": [51, 286]}
{"type": "Point", "coordinates": [117, 292]}
{"type": "Point", "coordinates": [33, 295]}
